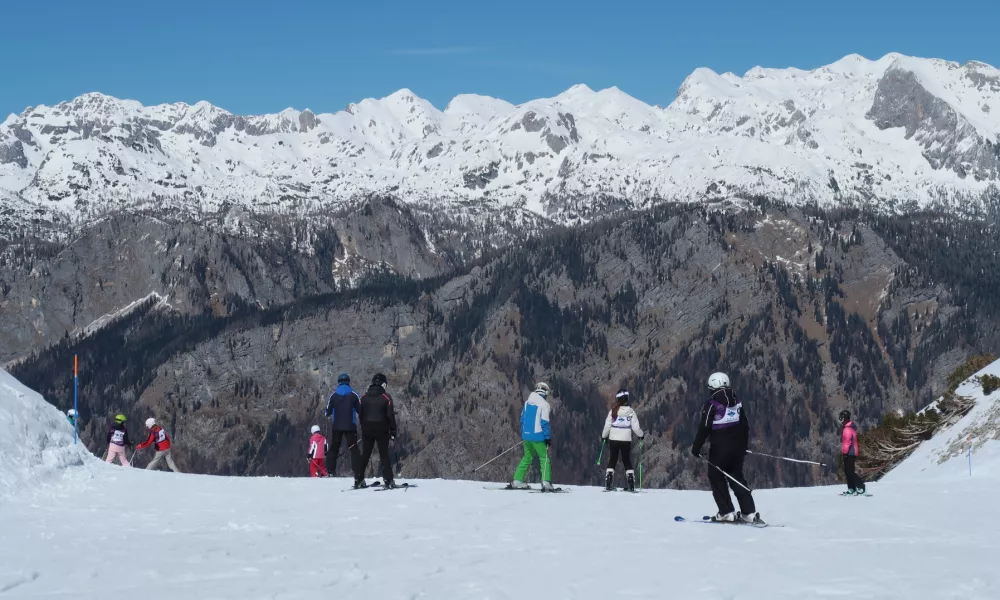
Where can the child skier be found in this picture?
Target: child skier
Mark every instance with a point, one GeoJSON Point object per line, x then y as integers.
{"type": "Point", "coordinates": [537, 438]}
{"type": "Point", "coordinates": [117, 441]}
{"type": "Point", "coordinates": [71, 417]}
{"type": "Point", "coordinates": [159, 439]}
{"type": "Point", "coordinates": [317, 453]}
{"type": "Point", "coordinates": [849, 450]}
{"type": "Point", "coordinates": [724, 420]}
{"type": "Point", "coordinates": [621, 424]}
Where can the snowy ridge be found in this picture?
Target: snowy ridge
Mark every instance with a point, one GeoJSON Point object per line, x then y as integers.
{"type": "Point", "coordinates": [945, 456]}
{"type": "Point", "coordinates": [36, 440]}
{"type": "Point", "coordinates": [893, 130]}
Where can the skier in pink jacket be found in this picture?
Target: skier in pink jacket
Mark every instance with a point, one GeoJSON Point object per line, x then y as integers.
{"type": "Point", "coordinates": [849, 450]}
{"type": "Point", "coordinates": [317, 453]}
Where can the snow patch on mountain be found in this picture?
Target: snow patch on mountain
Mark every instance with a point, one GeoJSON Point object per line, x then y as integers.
{"type": "Point", "coordinates": [898, 130]}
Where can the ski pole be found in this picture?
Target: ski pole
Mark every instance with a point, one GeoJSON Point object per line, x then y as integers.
{"type": "Point", "coordinates": [794, 460]}
{"type": "Point", "coordinates": [642, 442]}
{"type": "Point", "coordinates": [727, 475]}
{"type": "Point", "coordinates": [498, 456]}
{"type": "Point", "coordinates": [601, 453]}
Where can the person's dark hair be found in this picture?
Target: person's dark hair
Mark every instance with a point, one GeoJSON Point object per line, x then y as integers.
{"type": "Point", "coordinates": [621, 399]}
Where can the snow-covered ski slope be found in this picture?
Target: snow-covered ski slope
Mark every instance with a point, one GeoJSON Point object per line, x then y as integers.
{"type": "Point", "coordinates": [96, 531]}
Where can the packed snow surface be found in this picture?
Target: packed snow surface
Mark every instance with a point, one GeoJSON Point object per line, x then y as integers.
{"type": "Point", "coordinates": [99, 530]}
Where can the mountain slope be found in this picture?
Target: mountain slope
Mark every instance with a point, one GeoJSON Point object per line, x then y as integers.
{"type": "Point", "coordinates": [809, 312]}
{"type": "Point", "coordinates": [898, 131]}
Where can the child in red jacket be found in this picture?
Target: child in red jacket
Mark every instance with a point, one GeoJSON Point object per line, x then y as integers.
{"type": "Point", "coordinates": [160, 441]}
{"type": "Point", "coordinates": [317, 453]}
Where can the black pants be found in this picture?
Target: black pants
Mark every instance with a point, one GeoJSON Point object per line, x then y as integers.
{"type": "Point", "coordinates": [730, 461]}
{"type": "Point", "coordinates": [370, 441]}
{"type": "Point", "coordinates": [854, 481]}
{"type": "Point", "coordinates": [620, 448]}
{"type": "Point", "coordinates": [351, 437]}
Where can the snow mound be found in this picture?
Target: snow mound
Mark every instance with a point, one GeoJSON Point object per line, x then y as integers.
{"type": "Point", "coordinates": [36, 440]}
{"type": "Point", "coordinates": [946, 455]}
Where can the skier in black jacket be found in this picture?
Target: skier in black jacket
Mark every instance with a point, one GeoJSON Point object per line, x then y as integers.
{"type": "Point", "coordinates": [343, 407]}
{"type": "Point", "coordinates": [378, 427]}
{"type": "Point", "coordinates": [724, 420]}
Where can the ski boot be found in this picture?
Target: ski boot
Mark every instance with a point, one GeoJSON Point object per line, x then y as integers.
{"type": "Point", "coordinates": [360, 483]}
{"type": "Point", "coordinates": [751, 518]}
{"type": "Point", "coordinates": [518, 485]}
{"type": "Point", "coordinates": [389, 485]}
{"type": "Point", "coordinates": [630, 481]}
{"type": "Point", "coordinates": [609, 480]}
{"type": "Point", "coordinates": [724, 518]}
{"type": "Point", "coordinates": [547, 486]}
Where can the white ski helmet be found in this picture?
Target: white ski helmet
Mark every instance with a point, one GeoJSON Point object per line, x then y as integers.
{"type": "Point", "coordinates": [542, 388]}
{"type": "Point", "coordinates": [718, 381]}
{"type": "Point", "coordinates": [71, 412]}
{"type": "Point", "coordinates": [315, 429]}
{"type": "Point", "coordinates": [150, 422]}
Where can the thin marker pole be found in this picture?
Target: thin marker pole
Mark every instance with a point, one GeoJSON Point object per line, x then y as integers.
{"type": "Point", "coordinates": [76, 409]}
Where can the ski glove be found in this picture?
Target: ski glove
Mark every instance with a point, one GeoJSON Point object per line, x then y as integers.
{"type": "Point", "coordinates": [696, 453]}
{"type": "Point", "coordinates": [548, 442]}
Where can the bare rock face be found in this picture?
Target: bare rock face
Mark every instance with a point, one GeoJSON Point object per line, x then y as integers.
{"type": "Point", "coordinates": [949, 140]}
{"type": "Point", "coordinates": [808, 313]}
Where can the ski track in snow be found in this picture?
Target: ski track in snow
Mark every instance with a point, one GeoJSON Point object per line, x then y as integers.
{"type": "Point", "coordinates": [83, 529]}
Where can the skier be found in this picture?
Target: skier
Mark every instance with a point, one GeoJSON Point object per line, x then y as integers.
{"type": "Point", "coordinates": [378, 428]}
{"type": "Point", "coordinates": [536, 436]}
{"type": "Point", "coordinates": [117, 441]}
{"type": "Point", "coordinates": [621, 424]}
{"type": "Point", "coordinates": [317, 453]}
{"type": "Point", "coordinates": [71, 417]}
{"type": "Point", "coordinates": [849, 450]}
{"type": "Point", "coordinates": [342, 407]}
{"type": "Point", "coordinates": [724, 420]}
{"type": "Point", "coordinates": [159, 439]}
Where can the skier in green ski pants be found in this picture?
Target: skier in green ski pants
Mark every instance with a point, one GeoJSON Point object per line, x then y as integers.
{"type": "Point", "coordinates": [537, 437]}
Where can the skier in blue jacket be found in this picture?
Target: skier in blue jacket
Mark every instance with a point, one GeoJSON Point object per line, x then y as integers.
{"type": "Point", "coordinates": [342, 407]}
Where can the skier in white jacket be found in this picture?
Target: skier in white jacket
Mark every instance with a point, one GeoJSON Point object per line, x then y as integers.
{"type": "Point", "coordinates": [622, 423]}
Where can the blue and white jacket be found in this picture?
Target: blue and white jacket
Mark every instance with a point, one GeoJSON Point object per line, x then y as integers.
{"type": "Point", "coordinates": [535, 419]}
{"type": "Point", "coordinates": [343, 407]}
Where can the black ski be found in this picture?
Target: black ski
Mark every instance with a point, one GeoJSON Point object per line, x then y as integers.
{"type": "Point", "coordinates": [508, 487]}
{"type": "Point", "coordinates": [709, 521]}
{"type": "Point", "coordinates": [866, 495]}
{"type": "Point", "coordinates": [363, 487]}
{"type": "Point", "coordinates": [402, 486]}
{"type": "Point", "coordinates": [557, 490]}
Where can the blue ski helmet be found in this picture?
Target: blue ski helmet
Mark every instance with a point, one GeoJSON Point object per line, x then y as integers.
{"type": "Point", "coordinates": [343, 378]}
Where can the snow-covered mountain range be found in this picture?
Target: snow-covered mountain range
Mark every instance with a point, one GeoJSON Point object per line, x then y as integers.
{"type": "Point", "coordinates": [899, 130]}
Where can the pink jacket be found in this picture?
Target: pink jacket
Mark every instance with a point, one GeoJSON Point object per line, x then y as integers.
{"type": "Point", "coordinates": [317, 446]}
{"type": "Point", "coordinates": [849, 439]}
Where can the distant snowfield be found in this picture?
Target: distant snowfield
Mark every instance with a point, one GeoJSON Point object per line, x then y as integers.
{"type": "Point", "coordinates": [98, 531]}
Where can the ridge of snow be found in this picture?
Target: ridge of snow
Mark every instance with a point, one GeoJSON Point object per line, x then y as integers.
{"type": "Point", "coordinates": [945, 456]}
{"type": "Point", "coordinates": [36, 440]}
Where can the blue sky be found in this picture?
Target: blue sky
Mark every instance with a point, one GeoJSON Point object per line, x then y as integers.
{"type": "Point", "coordinates": [254, 56]}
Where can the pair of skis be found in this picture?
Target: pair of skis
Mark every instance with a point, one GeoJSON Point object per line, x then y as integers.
{"type": "Point", "coordinates": [511, 488]}
{"type": "Point", "coordinates": [378, 487]}
{"type": "Point", "coordinates": [708, 520]}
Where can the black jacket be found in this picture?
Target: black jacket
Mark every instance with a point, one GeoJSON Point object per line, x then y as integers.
{"type": "Point", "coordinates": [376, 415]}
{"type": "Point", "coordinates": [123, 437]}
{"type": "Point", "coordinates": [733, 435]}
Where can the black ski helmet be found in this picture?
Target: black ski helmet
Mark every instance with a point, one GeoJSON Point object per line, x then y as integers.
{"type": "Point", "coordinates": [379, 380]}
{"type": "Point", "coordinates": [844, 416]}
{"type": "Point", "coordinates": [622, 396]}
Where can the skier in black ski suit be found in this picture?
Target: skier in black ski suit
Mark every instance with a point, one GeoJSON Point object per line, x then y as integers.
{"type": "Point", "coordinates": [724, 420]}
{"type": "Point", "coordinates": [343, 407]}
{"type": "Point", "coordinates": [378, 428]}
